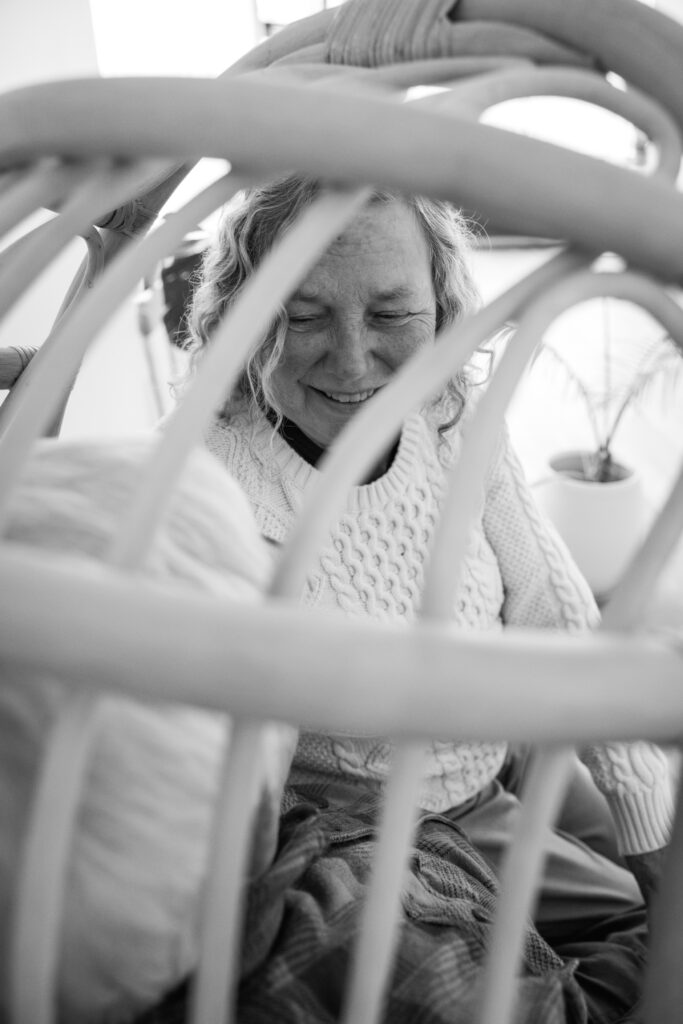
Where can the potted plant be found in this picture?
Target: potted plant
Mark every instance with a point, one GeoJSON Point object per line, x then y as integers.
{"type": "Point", "coordinates": [594, 497]}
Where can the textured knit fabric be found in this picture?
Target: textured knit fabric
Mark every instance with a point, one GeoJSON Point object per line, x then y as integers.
{"type": "Point", "coordinates": [303, 920]}
{"type": "Point", "coordinates": [517, 572]}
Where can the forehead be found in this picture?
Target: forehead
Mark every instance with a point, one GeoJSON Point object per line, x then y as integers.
{"type": "Point", "coordinates": [383, 250]}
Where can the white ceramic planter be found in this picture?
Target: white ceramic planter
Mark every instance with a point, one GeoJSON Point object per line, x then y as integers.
{"type": "Point", "coordinates": [602, 524]}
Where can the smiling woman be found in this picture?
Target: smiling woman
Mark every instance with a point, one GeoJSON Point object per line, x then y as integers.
{"type": "Point", "coordinates": [396, 274]}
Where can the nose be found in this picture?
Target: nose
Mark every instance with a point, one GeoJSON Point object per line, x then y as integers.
{"type": "Point", "coordinates": [349, 356]}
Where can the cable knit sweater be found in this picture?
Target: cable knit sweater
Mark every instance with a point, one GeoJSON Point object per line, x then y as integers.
{"type": "Point", "coordinates": [517, 573]}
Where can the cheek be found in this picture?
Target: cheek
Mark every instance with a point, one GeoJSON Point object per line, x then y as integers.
{"type": "Point", "coordinates": [301, 352]}
{"type": "Point", "coordinates": [405, 342]}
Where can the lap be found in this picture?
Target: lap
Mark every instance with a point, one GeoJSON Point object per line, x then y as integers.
{"type": "Point", "coordinates": [580, 888]}
{"type": "Point", "coordinates": [304, 914]}
{"type": "Point", "coordinates": [584, 812]}
{"type": "Point", "coordinates": [449, 907]}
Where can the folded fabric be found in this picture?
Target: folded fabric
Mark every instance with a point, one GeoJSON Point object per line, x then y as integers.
{"type": "Point", "coordinates": [304, 916]}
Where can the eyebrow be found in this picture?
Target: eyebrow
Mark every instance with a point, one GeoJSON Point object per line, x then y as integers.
{"type": "Point", "coordinates": [400, 292]}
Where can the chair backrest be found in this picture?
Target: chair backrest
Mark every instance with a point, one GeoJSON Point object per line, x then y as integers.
{"type": "Point", "coordinates": [325, 98]}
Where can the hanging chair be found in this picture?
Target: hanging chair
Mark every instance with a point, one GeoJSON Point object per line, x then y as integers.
{"type": "Point", "coordinates": [124, 629]}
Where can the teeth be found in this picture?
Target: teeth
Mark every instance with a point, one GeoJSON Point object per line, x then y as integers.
{"type": "Point", "coordinates": [344, 397]}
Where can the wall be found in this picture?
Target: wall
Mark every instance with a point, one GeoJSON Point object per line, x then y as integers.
{"type": "Point", "coordinates": [122, 387]}
{"type": "Point", "coordinates": [40, 41]}
{"type": "Point", "coordinates": [172, 37]}
{"type": "Point", "coordinates": [44, 39]}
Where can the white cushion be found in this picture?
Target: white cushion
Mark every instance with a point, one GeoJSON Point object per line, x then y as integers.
{"type": "Point", "coordinates": [140, 848]}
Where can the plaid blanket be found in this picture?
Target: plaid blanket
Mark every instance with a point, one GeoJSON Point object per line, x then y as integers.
{"type": "Point", "coordinates": [303, 916]}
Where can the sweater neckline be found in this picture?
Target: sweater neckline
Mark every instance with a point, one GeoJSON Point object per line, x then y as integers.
{"type": "Point", "coordinates": [391, 484]}
{"type": "Point", "coordinates": [312, 452]}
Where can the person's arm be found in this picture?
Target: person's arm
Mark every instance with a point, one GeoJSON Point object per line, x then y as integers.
{"type": "Point", "coordinates": [544, 589]}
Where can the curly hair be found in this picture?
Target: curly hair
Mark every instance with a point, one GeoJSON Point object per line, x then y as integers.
{"type": "Point", "coordinates": [248, 229]}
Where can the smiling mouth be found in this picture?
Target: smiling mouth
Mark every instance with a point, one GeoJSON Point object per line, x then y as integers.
{"type": "Point", "coordinates": [347, 397]}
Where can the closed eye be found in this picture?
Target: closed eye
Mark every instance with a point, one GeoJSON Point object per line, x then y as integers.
{"type": "Point", "coordinates": [391, 316]}
{"type": "Point", "coordinates": [303, 320]}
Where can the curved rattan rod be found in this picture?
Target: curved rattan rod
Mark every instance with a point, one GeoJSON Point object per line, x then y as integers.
{"type": "Point", "coordinates": [422, 377]}
{"type": "Point", "coordinates": [583, 24]}
{"type": "Point", "coordinates": [570, 26]}
{"type": "Point", "coordinates": [313, 54]}
{"type": "Point", "coordinates": [442, 577]}
{"type": "Point", "coordinates": [13, 361]}
{"type": "Point", "coordinates": [629, 597]}
{"type": "Point", "coordinates": [8, 179]}
{"type": "Point", "coordinates": [95, 640]}
{"type": "Point", "coordinates": [214, 991]}
{"type": "Point", "coordinates": [663, 986]}
{"type": "Point", "coordinates": [55, 365]}
{"type": "Point", "coordinates": [311, 29]}
{"type": "Point", "coordinates": [36, 930]}
{"type": "Point", "coordinates": [43, 184]}
{"type": "Point", "coordinates": [403, 75]}
{"type": "Point", "coordinates": [397, 76]}
{"type": "Point", "coordinates": [299, 33]}
{"type": "Point", "coordinates": [456, 39]}
{"type": "Point", "coordinates": [640, 44]}
{"type": "Point", "coordinates": [215, 982]}
{"type": "Point", "coordinates": [296, 36]}
{"type": "Point", "coordinates": [275, 128]}
{"type": "Point", "coordinates": [14, 250]}
{"type": "Point", "coordinates": [245, 324]}
{"type": "Point", "coordinates": [482, 40]}
{"type": "Point", "coordinates": [109, 184]}
{"type": "Point", "coordinates": [542, 797]}
{"type": "Point", "coordinates": [485, 91]}
{"type": "Point", "coordinates": [88, 272]}
{"type": "Point", "coordinates": [373, 953]}
{"type": "Point", "coordinates": [439, 69]}
{"type": "Point", "coordinates": [345, 78]}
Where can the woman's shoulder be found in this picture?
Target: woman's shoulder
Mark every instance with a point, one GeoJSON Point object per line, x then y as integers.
{"type": "Point", "coordinates": [271, 473]}
{"type": "Point", "coordinates": [225, 434]}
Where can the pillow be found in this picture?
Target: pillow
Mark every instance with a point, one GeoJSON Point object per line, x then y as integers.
{"type": "Point", "coordinates": [129, 930]}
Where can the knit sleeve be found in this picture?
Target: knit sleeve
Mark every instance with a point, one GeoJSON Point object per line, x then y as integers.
{"type": "Point", "coordinates": [544, 589]}
{"type": "Point", "coordinates": [636, 779]}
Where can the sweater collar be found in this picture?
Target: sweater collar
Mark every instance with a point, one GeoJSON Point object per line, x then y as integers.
{"type": "Point", "coordinates": [312, 453]}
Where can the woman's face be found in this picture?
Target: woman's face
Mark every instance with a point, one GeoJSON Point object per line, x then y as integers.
{"type": "Point", "coordinates": [366, 307]}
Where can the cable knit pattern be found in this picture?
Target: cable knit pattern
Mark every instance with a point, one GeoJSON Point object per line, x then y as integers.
{"type": "Point", "coordinates": [636, 779]}
{"type": "Point", "coordinates": [517, 573]}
